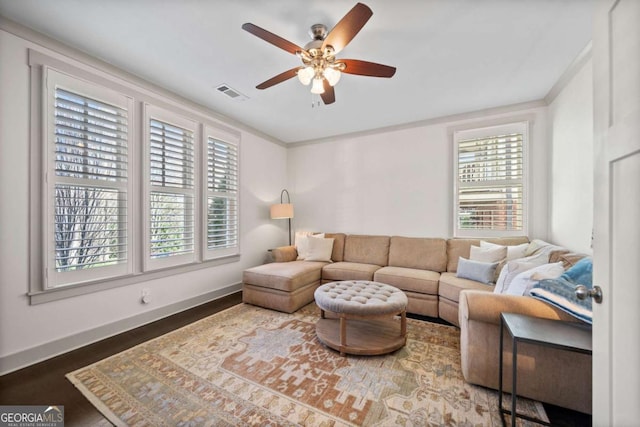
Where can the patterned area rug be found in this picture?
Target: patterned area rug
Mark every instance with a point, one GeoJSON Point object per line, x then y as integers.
{"type": "Point", "coordinates": [251, 366]}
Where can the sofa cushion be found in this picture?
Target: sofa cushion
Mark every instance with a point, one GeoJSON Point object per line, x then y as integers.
{"type": "Point", "coordinates": [409, 279]}
{"type": "Point", "coordinates": [367, 249]}
{"type": "Point", "coordinates": [451, 286]}
{"type": "Point", "coordinates": [462, 247]}
{"type": "Point", "coordinates": [284, 276]}
{"type": "Point", "coordinates": [337, 255]}
{"type": "Point", "coordinates": [422, 253]}
{"type": "Point", "coordinates": [348, 271]}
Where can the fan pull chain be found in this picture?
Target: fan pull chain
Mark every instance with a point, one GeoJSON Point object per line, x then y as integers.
{"type": "Point", "coordinates": [316, 101]}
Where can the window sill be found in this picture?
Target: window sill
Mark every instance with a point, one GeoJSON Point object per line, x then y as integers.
{"type": "Point", "coordinates": [62, 292]}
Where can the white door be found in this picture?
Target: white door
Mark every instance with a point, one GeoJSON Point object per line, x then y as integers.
{"type": "Point", "coordinates": [616, 249]}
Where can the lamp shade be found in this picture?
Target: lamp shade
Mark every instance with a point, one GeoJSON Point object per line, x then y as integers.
{"type": "Point", "coordinates": [282, 211]}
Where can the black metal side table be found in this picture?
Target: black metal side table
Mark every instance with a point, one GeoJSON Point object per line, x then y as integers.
{"type": "Point", "coordinates": [569, 336]}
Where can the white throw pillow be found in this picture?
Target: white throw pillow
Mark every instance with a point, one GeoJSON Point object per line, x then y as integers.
{"type": "Point", "coordinates": [320, 249]}
{"type": "Point", "coordinates": [513, 251]}
{"type": "Point", "coordinates": [515, 267]}
{"type": "Point", "coordinates": [538, 246]}
{"type": "Point", "coordinates": [488, 254]}
{"type": "Point", "coordinates": [523, 282]}
{"type": "Point", "coordinates": [302, 243]}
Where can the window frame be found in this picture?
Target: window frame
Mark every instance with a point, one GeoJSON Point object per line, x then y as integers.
{"type": "Point", "coordinates": [230, 138]}
{"type": "Point", "coordinates": [489, 131]}
{"type": "Point", "coordinates": [40, 198]}
{"type": "Point", "coordinates": [55, 79]}
{"type": "Point", "coordinates": [152, 112]}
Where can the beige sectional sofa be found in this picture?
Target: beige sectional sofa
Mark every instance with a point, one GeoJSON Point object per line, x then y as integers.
{"type": "Point", "coordinates": [425, 269]}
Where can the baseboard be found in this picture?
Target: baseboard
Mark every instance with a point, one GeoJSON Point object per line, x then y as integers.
{"type": "Point", "coordinates": [33, 355]}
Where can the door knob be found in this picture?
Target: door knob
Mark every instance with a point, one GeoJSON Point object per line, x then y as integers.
{"type": "Point", "coordinates": [582, 292]}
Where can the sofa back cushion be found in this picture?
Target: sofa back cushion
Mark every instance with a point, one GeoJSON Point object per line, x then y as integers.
{"type": "Point", "coordinates": [367, 249]}
{"type": "Point", "coordinates": [338, 246]}
{"type": "Point", "coordinates": [462, 247]}
{"type": "Point", "coordinates": [416, 252]}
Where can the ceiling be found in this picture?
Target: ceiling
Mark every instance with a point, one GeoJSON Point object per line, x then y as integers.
{"type": "Point", "coordinates": [452, 56]}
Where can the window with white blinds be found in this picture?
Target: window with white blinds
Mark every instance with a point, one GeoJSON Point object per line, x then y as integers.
{"type": "Point", "coordinates": [490, 181]}
{"type": "Point", "coordinates": [171, 197]}
{"type": "Point", "coordinates": [89, 182]}
{"type": "Point", "coordinates": [222, 197]}
{"type": "Point", "coordinates": [129, 190]}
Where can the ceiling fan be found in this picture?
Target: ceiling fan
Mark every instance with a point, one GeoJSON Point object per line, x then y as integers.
{"type": "Point", "coordinates": [320, 67]}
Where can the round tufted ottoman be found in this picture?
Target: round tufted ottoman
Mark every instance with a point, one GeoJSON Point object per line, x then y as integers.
{"type": "Point", "coordinates": [370, 307]}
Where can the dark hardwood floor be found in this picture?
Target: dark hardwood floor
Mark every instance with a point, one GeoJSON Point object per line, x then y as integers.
{"type": "Point", "coordinates": [45, 382]}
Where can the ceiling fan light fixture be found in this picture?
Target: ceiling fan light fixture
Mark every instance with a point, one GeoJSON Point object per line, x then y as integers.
{"type": "Point", "coordinates": [317, 87]}
{"type": "Point", "coordinates": [305, 75]}
{"type": "Point", "coordinates": [332, 75]}
{"type": "Point", "coordinates": [320, 67]}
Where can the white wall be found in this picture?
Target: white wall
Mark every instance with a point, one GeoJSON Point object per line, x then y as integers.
{"type": "Point", "coordinates": [571, 139]}
{"type": "Point", "coordinates": [28, 330]}
{"type": "Point", "coordinates": [400, 182]}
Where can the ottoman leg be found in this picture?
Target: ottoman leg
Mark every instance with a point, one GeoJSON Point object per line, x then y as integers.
{"type": "Point", "coordinates": [403, 324]}
{"type": "Point", "coordinates": [343, 334]}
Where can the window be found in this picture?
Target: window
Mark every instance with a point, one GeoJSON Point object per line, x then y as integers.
{"type": "Point", "coordinates": [123, 190]}
{"type": "Point", "coordinates": [490, 181]}
{"type": "Point", "coordinates": [171, 188]}
{"type": "Point", "coordinates": [222, 194]}
{"type": "Point", "coordinates": [88, 180]}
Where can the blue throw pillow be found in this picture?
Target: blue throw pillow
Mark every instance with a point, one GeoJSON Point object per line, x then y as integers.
{"type": "Point", "coordinates": [475, 270]}
{"type": "Point", "coordinates": [561, 293]}
{"type": "Point", "coordinates": [581, 273]}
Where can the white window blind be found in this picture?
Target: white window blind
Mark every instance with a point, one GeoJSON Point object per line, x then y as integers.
{"type": "Point", "coordinates": [89, 182]}
{"type": "Point", "coordinates": [222, 197]}
{"type": "Point", "coordinates": [490, 197]}
{"type": "Point", "coordinates": [171, 198]}
{"type": "Point", "coordinates": [119, 194]}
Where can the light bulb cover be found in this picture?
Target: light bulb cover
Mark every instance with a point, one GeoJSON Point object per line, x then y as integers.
{"type": "Point", "coordinates": [332, 75]}
{"type": "Point", "coordinates": [318, 86]}
{"type": "Point", "coordinates": [305, 75]}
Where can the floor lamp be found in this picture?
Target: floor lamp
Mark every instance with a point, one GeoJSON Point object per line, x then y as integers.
{"type": "Point", "coordinates": [283, 210]}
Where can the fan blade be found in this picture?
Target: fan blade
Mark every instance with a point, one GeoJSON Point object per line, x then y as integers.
{"type": "Point", "coordinates": [279, 78]}
{"type": "Point", "coordinates": [364, 68]}
{"type": "Point", "coordinates": [329, 95]}
{"type": "Point", "coordinates": [272, 38]}
{"type": "Point", "coordinates": [348, 27]}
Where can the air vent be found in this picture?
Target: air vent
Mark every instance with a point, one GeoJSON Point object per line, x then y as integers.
{"type": "Point", "coordinates": [231, 93]}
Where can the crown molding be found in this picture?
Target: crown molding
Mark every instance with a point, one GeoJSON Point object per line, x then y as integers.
{"type": "Point", "coordinates": [566, 77]}
{"type": "Point", "coordinates": [488, 112]}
